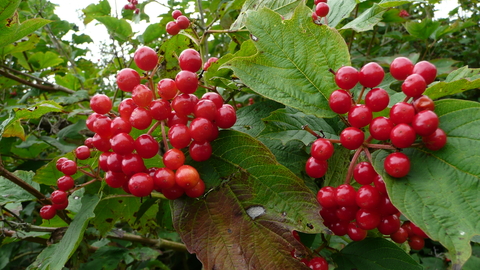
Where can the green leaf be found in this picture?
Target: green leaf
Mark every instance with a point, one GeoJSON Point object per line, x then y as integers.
{"type": "Point", "coordinates": [80, 39]}
{"type": "Point", "coordinates": [36, 111]}
{"type": "Point", "coordinates": [170, 49]}
{"type": "Point", "coordinates": [339, 10]}
{"type": "Point", "coordinates": [119, 29]}
{"type": "Point", "coordinates": [72, 131]}
{"type": "Point", "coordinates": [153, 32]}
{"type": "Point", "coordinates": [18, 31]}
{"type": "Point", "coordinates": [55, 256]}
{"type": "Point", "coordinates": [265, 203]}
{"type": "Point", "coordinates": [458, 81]}
{"type": "Point", "coordinates": [374, 254]}
{"type": "Point", "coordinates": [7, 8]}
{"type": "Point", "coordinates": [306, 82]}
{"type": "Point", "coordinates": [11, 192]}
{"type": "Point", "coordinates": [394, 3]}
{"type": "Point", "coordinates": [105, 258]}
{"type": "Point", "coordinates": [42, 60]}
{"type": "Point", "coordinates": [367, 20]}
{"type": "Point", "coordinates": [77, 96]}
{"type": "Point", "coordinates": [23, 45]}
{"type": "Point", "coordinates": [440, 193]}
{"type": "Point", "coordinates": [249, 118]}
{"type": "Point", "coordinates": [94, 10]}
{"type": "Point", "coordinates": [422, 30]}
{"type": "Point", "coordinates": [282, 7]}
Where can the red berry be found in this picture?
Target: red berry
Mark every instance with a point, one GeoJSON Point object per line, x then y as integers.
{"type": "Point", "coordinates": [346, 212]}
{"type": "Point", "coordinates": [65, 183]}
{"type": "Point", "coordinates": [197, 190]}
{"type": "Point", "coordinates": [173, 193]}
{"type": "Point", "coordinates": [142, 95]}
{"type": "Point", "coordinates": [402, 112]}
{"type": "Point", "coordinates": [58, 196]}
{"type": "Point", "coordinates": [48, 212]}
{"type": "Point", "coordinates": [146, 58]}
{"type": "Point", "coordinates": [436, 140]}
{"type": "Point", "coordinates": [167, 88]}
{"type": "Point", "coordinates": [380, 128]}
{"type": "Point", "coordinates": [368, 197]}
{"type": "Point", "coordinates": [202, 130]}
{"type": "Point", "coordinates": [345, 195]}
{"type": "Point", "coordinates": [173, 28]}
{"type": "Point", "coordinates": [316, 168]}
{"type": "Point", "coordinates": [119, 125]}
{"type": "Point", "coordinates": [326, 197]}
{"type": "Point", "coordinates": [186, 177]}
{"type": "Point", "coordinates": [82, 152]}
{"type": "Point", "coordinates": [69, 167]}
{"type": "Point", "coordinates": [209, 62]}
{"type": "Point", "coordinates": [115, 179]}
{"type": "Point", "coordinates": [425, 123]}
{"type": "Point", "coordinates": [190, 60]}
{"type": "Point", "coordinates": [389, 224]}
{"type": "Point", "coordinates": [127, 79]}
{"type": "Point", "coordinates": [215, 97]}
{"type": "Point", "coordinates": [200, 151]}
{"type": "Point", "coordinates": [114, 162]}
{"type": "Point", "coordinates": [164, 178]}
{"type": "Point", "coordinates": [174, 119]}
{"type": "Point", "coordinates": [329, 215]}
{"type": "Point", "coordinates": [318, 263]}
{"type": "Point", "coordinates": [184, 104]}
{"type": "Point", "coordinates": [140, 118]}
{"type": "Point", "coordinates": [400, 236]}
{"type": "Point", "coordinates": [183, 22]}
{"type": "Point", "coordinates": [60, 162]}
{"type": "Point", "coordinates": [346, 77]}
{"type": "Point", "coordinates": [422, 103]}
{"type": "Point", "coordinates": [122, 144]}
{"type": "Point", "coordinates": [377, 99]}
{"type": "Point", "coordinates": [186, 81]}
{"type": "Point", "coordinates": [340, 228]}
{"type": "Point", "coordinates": [356, 233]}
{"type": "Point", "coordinates": [173, 159]}
{"type": "Point", "coordinates": [176, 13]}
{"type": "Point", "coordinates": [380, 184]}
{"type": "Point", "coordinates": [340, 101]}
{"type": "Point", "coordinates": [397, 164]}
{"type": "Point", "coordinates": [92, 118]}
{"type": "Point", "coordinates": [367, 219]}
{"type": "Point", "coordinates": [146, 146]}
{"type": "Point", "coordinates": [364, 173]}
{"type": "Point", "coordinates": [386, 208]}
{"type": "Point", "coordinates": [414, 86]}
{"type": "Point", "coordinates": [126, 108]}
{"type": "Point", "coordinates": [352, 138]}
{"type": "Point", "coordinates": [402, 136]}
{"type": "Point", "coordinates": [205, 108]}
{"type": "Point", "coordinates": [160, 109]}
{"type": "Point", "coordinates": [179, 136]}
{"type": "Point", "coordinates": [89, 142]}
{"type": "Point", "coordinates": [417, 231]}
{"type": "Point", "coordinates": [401, 68]}
{"type": "Point", "coordinates": [103, 127]}
{"type": "Point", "coordinates": [416, 242]}
{"type": "Point", "coordinates": [140, 184]}
{"type": "Point", "coordinates": [226, 116]}
{"type": "Point", "coordinates": [102, 161]}
{"type": "Point", "coordinates": [359, 116]}
{"type": "Point", "coordinates": [322, 149]}
{"type": "Point", "coordinates": [101, 104]}
{"type": "Point", "coordinates": [102, 144]}
{"type": "Point", "coordinates": [371, 75]}
{"type": "Point", "coordinates": [427, 70]}
{"type": "Point", "coordinates": [132, 164]}
{"type": "Point", "coordinates": [61, 206]}
{"type": "Point", "coordinates": [322, 9]}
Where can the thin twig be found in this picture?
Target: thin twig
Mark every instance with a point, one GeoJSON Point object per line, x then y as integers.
{"type": "Point", "coordinates": [39, 86]}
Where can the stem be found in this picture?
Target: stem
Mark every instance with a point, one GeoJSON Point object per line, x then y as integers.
{"type": "Point", "coordinates": [361, 95]}
{"type": "Point", "coordinates": [39, 86]}
{"type": "Point", "coordinates": [164, 135]}
{"type": "Point", "coordinates": [375, 29]}
{"type": "Point", "coordinates": [380, 146]}
{"type": "Point", "coordinates": [352, 165]}
{"type": "Point", "coordinates": [225, 31]}
{"type": "Point", "coordinates": [26, 186]}
{"type": "Point", "coordinates": [406, 99]}
{"type": "Point", "coordinates": [309, 130]}
{"type": "Point", "coordinates": [367, 153]}
{"type": "Point", "coordinates": [150, 131]}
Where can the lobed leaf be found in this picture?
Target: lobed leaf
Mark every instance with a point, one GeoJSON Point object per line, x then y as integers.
{"type": "Point", "coordinates": [440, 194]}
{"type": "Point", "coordinates": [265, 203]}
{"type": "Point", "coordinates": [281, 69]}
{"type": "Point", "coordinates": [458, 81]}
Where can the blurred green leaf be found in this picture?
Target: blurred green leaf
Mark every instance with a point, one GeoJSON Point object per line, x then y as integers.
{"type": "Point", "coordinates": [94, 10]}
{"type": "Point", "coordinates": [18, 31]}
{"type": "Point", "coordinates": [119, 29]}
{"type": "Point", "coordinates": [11, 192]}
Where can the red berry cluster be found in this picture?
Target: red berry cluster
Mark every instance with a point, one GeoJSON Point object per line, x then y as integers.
{"type": "Point", "coordinates": [132, 5]}
{"type": "Point", "coordinates": [321, 150]}
{"type": "Point", "coordinates": [406, 120]}
{"type": "Point", "coordinates": [123, 156]}
{"type": "Point", "coordinates": [321, 11]}
{"type": "Point", "coordinates": [180, 22]}
{"type": "Point", "coordinates": [351, 212]}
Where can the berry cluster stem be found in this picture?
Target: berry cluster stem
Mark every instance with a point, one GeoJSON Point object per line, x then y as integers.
{"type": "Point", "coordinates": [352, 165]}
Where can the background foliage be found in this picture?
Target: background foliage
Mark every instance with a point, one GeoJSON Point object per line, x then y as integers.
{"type": "Point", "coordinates": [46, 80]}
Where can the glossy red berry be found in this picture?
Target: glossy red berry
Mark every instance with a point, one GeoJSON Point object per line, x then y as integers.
{"type": "Point", "coordinates": [397, 164]}
{"type": "Point", "coordinates": [340, 228]}
{"type": "Point", "coordinates": [167, 89]}
{"type": "Point", "coordinates": [200, 151]}
{"type": "Point", "coordinates": [145, 58]}
{"type": "Point", "coordinates": [436, 140]}
{"type": "Point", "coordinates": [115, 179]}
{"type": "Point", "coordinates": [400, 236]}
{"type": "Point", "coordinates": [142, 95]}
{"type": "Point", "coordinates": [356, 233]}
{"type": "Point", "coordinates": [186, 81]}
{"type": "Point", "coordinates": [190, 60]}
{"type": "Point", "coordinates": [340, 101]}
{"type": "Point", "coordinates": [175, 118]}
{"type": "Point", "coordinates": [368, 197]}
{"type": "Point", "coordinates": [132, 164]}
{"type": "Point", "coordinates": [380, 128]}
{"type": "Point", "coordinates": [371, 75]}
{"type": "Point", "coordinates": [164, 178]}
{"type": "Point", "coordinates": [316, 168]}
{"type": "Point", "coordinates": [345, 195]}
{"type": "Point", "coordinates": [101, 103]}
{"type": "Point", "coordinates": [126, 108]}
{"type": "Point", "coordinates": [346, 77]}
{"type": "Point", "coordinates": [386, 208]}
{"type": "Point", "coordinates": [226, 116]}
{"type": "Point", "coordinates": [422, 103]}
{"type": "Point", "coordinates": [389, 224]}
{"type": "Point", "coordinates": [184, 104]}
{"type": "Point", "coordinates": [377, 99]}
{"type": "Point", "coordinates": [416, 242]}
{"type": "Point", "coordinates": [173, 193]}
{"type": "Point", "coordinates": [322, 9]}
{"type": "Point", "coordinates": [69, 167]}
{"type": "Point", "coordinates": [183, 22]}
{"type": "Point", "coordinates": [127, 79]}
{"type": "Point", "coordinates": [114, 162]}
{"type": "Point", "coordinates": [173, 159]}
{"type": "Point", "coordinates": [176, 13]}
{"type": "Point", "coordinates": [205, 108]}
{"type": "Point", "coordinates": [160, 109]}
{"type": "Point", "coordinates": [326, 197]}
{"type": "Point", "coordinates": [102, 127]}
{"type": "Point", "coordinates": [89, 142]}
{"type": "Point", "coordinates": [427, 70]}
{"type": "Point", "coordinates": [58, 196]}
{"type": "Point", "coordinates": [186, 177]}
{"type": "Point", "coordinates": [173, 28]}
{"type": "Point", "coordinates": [329, 215]}
{"type": "Point", "coordinates": [209, 62]}
{"type": "Point", "coordinates": [48, 212]}
{"type": "Point", "coordinates": [65, 183]}
{"type": "Point", "coordinates": [102, 161]}
{"type": "Point", "coordinates": [346, 212]}
{"type": "Point", "coordinates": [402, 112]}
{"type": "Point", "coordinates": [146, 146]}
{"type": "Point", "coordinates": [417, 231]}
{"type": "Point", "coordinates": [197, 190]}
{"type": "Point", "coordinates": [179, 136]}
{"type": "Point", "coordinates": [120, 125]}
{"type": "Point", "coordinates": [60, 162]}
{"type": "Point", "coordinates": [318, 263]}
{"type": "Point", "coordinates": [202, 130]}
{"type": "Point", "coordinates": [352, 138]}
{"type": "Point", "coordinates": [122, 144]}
{"type": "Point", "coordinates": [414, 86]}
{"type": "Point", "coordinates": [364, 173]}
{"type": "Point", "coordinates": [359, 116]}
{"type": "Point", "coordinates": [140, 184]}
{"type": "Point", "coordinates": [82, 152]}
{"type": "Point", "coordinates": [402, 136]}
{"type": "Point", "coordinates": [380, 184]}
{"type": "Point", "coordinates": [367, 219]}
{"type": "Point", "coordinates": [425, 123]}
{"type": "Point", "coordinates": [322, 149]}
{"type": "Point", "coordinates": [140, 118]}
{"type": "Point", "coordinates": [401, 68]}
{"type": "Point", "coordinates": [102, 144]}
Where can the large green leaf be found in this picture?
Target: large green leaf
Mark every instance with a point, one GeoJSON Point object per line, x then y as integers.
{"type": "Point", "coordinates": [339, 10]}
{"type": "Point", "coordinates": [374, 254]}
{"type": "Point", "coordinates": [423, 29]}
{"type": "Point", "coordinates": [55, 256]}
{"type": "Point", "coordinates": [458, 81]}
{"type": "Point", "coordinates": [440, 193]}
{"type": "Point", "coordinates": [7, 8]}
{"type": "Point", "coordinates": [11, 192]}
{"type": "Point", "coordinates": [367, 20]}
{"type": "Point", "coordinates": [293, 58]}
{"type": "Point", "coordinates": [119, 29]}
{"type": "Point", "coordinates": [43, 60]}
{"type": "Point", "coordinates": [265, 203]}
{"type": "Point", "coordinates": [283, 7]}
{"type": "Point", "coordinates": [17, 31]}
